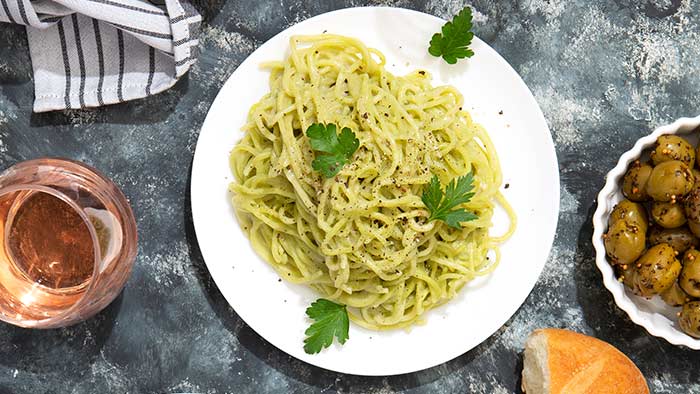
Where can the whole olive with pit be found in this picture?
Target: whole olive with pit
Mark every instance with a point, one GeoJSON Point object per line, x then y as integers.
{"type": "Point", "coordinates": [689, 319]}
{"type": "Point", "coordinates": [689, 279]}
{"type": "Point", "coordinates": [669, 181]}
{"type": "Point", "coordinates": [624, 242]}
{"type": "Point", "coordinates": [673, 147]}
{"type": "Point", "coordinates": [668, 214]}
{"type": "Point", "coordinates": [628, 276]}
{"type": "Point", "coordinates": [674, 296]}
{"type": "Point", "coordinates": [657, 269]}
{"type": "Point", "coordinates": [634, 183]}
{"type": "Point", "coordinates": [631, 212]}
{"type": "Point", "coordinates": [680, 239]}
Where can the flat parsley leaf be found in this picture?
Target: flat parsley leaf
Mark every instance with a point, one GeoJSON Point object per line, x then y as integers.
{"type": "Point", "coordinates": [441, 205]}
{"type": "Point", "coordinates": [338, 148]}
{"type": "Point", "coordinates": [455, 39]}
{"type": "Point", "coordinates": [331, 320]}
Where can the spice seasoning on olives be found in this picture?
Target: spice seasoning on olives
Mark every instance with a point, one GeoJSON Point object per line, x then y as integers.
{"type": "Point", "coordinates": [673, 147]}
{"type": "Point", "coordinates": [689, 279]}
{"type": "Point", "coordinates": [634, 183]}
{"type": "Point", "coordinates": [669, 181]}
{"type": "Point", "coordinates": [631, 212]}
{"type": "Point", "coordinates": [689, 318]}
{"type": "Point", "coordinates": [691, 204]}
{"type": "Point", "coordinates": [624, 243]}
{"type": "Point", "coordinates": [668, 214]}
{"type": "Point", "coordinates": [680, 238]}
{"type": "Point", "coordinates": [629, 277]}
{"type": "Point", "coordinates": [657, 270]}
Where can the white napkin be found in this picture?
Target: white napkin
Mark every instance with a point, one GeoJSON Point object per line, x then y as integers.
{"type": "Point", "coordinates": [87, 53]}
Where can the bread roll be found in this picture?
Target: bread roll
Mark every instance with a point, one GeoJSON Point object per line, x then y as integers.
{"type": "Point", "coordinates": [564, 362]}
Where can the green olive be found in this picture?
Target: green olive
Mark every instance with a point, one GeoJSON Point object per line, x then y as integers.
{"type": "Point", "coordinates": [680, 239]}
{"type": "Point", "coordinates": [691, 203]}
{"type": "Point", "coordinates": [634, 184]}
{"type": "Point", "coordinates": [668, 214]}
{"type": "Point", "coordinates": [631, 212]}
{"type": "Point", "coordinates": [624, 243]}
{"type": "Point", "coordinates": [690, 274]}
{"type": "Point", "coordinates": [694, 228]}
{"type": "Point", "coordinates": [674, 296]}
{"type": "Point", "coordinates": [657, 269]}
{"type": "Point", "coordinates": [670, 180]}
{"type": "Point", "coordinates": [673, 147]}
{"type": "Point", "coordinates": [696, 172]}
{"type": "Point", "coordinates": [689, 319]}
{"type": "Point", "coordinates": [629, 277]}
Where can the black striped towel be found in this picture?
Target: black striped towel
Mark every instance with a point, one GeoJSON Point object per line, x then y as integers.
{"type": "Point", "coordinates": [87, 53]}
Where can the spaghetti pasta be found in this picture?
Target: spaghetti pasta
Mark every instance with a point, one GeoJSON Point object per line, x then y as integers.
{"type": "Point", "coordinates": [362, 237]}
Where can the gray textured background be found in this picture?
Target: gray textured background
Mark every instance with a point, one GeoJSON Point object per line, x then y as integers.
{"type": "Point", "coordinates": [604, 73]}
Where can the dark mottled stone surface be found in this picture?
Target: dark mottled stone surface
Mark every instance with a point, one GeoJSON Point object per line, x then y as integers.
{"type": "Point", "coordinates": [604, 73]}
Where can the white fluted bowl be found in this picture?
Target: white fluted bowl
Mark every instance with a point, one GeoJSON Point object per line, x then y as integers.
{"type": "Point", "coordinates": [654, 315]}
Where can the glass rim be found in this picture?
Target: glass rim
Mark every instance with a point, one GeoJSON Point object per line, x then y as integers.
{"type": "Point", "coordinates": [108, 192]}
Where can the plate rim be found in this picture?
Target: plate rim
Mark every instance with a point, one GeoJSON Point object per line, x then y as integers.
{"type": "Point", "coordinates": [551, 153]}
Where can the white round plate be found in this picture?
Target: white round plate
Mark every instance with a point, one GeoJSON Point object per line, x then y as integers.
{"type": "Point", "coordinates": [496, 97]}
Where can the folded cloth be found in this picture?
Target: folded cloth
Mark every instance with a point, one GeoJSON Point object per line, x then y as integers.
{"type": "Point", "coordinates": [87, 53]}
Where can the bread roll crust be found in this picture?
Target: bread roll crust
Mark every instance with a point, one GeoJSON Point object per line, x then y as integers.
{"type": "Point", "coordinates": [579, 364]}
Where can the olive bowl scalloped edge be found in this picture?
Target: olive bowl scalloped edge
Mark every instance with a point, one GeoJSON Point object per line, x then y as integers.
{"type": "Point", "coordinates": [653, 314]}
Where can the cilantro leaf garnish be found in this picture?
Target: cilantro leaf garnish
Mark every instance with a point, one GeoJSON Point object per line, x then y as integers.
{"type": "Point", "coordinates": [441, 204]}
{"type": "Point", "coordinates": [331, 320]}
{"type": "Point", "coordinates": [455, 39]}
{"type": "Point", "coordinates": [338, 149]}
